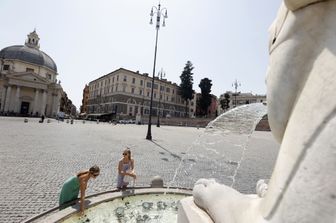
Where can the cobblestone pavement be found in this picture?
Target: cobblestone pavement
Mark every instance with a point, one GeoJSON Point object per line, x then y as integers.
{"type": "Point", "coordinates": [35, 159]}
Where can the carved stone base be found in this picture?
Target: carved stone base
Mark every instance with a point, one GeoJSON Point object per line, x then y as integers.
{"type": "Point", "coordinates": [189, 212]}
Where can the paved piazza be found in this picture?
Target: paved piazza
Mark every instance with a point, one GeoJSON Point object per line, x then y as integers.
{"type": "Point", "coordinates": [35, 159]}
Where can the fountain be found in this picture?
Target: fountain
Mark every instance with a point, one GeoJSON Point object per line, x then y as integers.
{"type": "Point", "coordinates": [239, 122]}
{"type": "Point", "coordinates": [139, 208]}
{"type": "Point", "coordinates": [140, 204]}
{"type": "Point", "coordinates": [303, 119]}
{"type": "Point", "coordinates": [300, 78]}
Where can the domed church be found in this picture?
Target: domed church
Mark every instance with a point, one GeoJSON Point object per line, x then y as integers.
{"type": "Point", "coordinates": [28, 84]}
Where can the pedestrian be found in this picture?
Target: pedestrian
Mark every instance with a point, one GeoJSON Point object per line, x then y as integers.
{"type": "Point", "coordinates": [125, 169]}
{"type": "Point", "coordinates": [76, 184]}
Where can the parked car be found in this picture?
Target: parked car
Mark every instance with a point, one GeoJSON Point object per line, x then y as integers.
{"type": "Point", "coordinates": [122, 121]}
{"type": "Point", "coordinates": [60, 116]}
{"type": "Point", "coordinates": [131, 121]}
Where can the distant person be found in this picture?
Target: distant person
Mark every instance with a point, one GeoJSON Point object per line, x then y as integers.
{"type": "Point", "coordinates": [42, 119]}
{"type": "Point", "coordinates": [74, 184]}
{"type": "Point", "coordinates": [125, 169]}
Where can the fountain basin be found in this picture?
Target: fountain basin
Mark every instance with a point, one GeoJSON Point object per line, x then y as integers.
{"type": "Point", "coordinates": [131, 205]}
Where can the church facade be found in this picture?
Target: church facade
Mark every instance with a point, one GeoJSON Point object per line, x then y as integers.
{"type": "Point", "coordinates": [28, 80]}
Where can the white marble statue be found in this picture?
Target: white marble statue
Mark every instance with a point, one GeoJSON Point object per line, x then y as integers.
{"type": "Point", "coordinates": [301, 91]}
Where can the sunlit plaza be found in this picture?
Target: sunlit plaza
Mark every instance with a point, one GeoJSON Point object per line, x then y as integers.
{"type": "Point", "coordinates": [168, 111]}
{"type": "Point", "coordinates": [36, 158]}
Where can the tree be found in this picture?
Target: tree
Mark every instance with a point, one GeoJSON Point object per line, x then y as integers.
{"type": "Point", "coordinates": [205, 100]}
{"type": "Point", "coordinates": [225, 102]}
{"type": "Point", "coordinates": [187, 84]}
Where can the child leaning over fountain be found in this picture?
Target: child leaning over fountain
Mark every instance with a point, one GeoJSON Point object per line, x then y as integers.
{"type": "Point", "coordinates": [125, 169]}
{"type": "Point", "coordinates": [74, 184]}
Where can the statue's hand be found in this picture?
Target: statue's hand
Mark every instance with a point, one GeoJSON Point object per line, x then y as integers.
{"type": "Point", "coordinates": [223, 203]}
{"type": "Point", "coordinates": [216, 199]}
{"type": "Point", "coordinates": [202, 192]}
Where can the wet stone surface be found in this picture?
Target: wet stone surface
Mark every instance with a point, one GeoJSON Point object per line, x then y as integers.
{"type": "Point", "coordinates": [36, 159]}
{"type": "Point", "coordinates": [155, 208]}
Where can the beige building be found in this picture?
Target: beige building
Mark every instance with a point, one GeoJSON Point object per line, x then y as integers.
{"type": "Point", "coordinates": [127, 93]}
{"type": "Point", "coordinates": [28, 84]}
{"type": "Point", "coordinates": [239, 98]}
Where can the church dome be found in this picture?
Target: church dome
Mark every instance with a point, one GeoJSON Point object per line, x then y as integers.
{"type": "Point", "coordinates": [30, 53]}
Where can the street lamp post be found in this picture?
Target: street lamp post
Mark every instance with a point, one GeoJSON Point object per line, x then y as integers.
{"type": "Point", "coordinates": [161, 74]}
{"type": "Point", "coordinates": [235, 84]}
{"type": "Point", "coordinates": [159, 12]}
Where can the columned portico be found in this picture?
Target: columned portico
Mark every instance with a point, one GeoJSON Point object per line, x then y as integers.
{"type": "Point", "coordinates": [17, 100]}
{"type": "Point", "coordinates": [3, 98]}
{"type": "Point", "coordinates": [44, 102]}
{"type": "Point", "coordinates": [54, 103]}
{"type": "Point", "coordinates": [36, 103]}
{"type": "Point", "coordinates": [58, 102]}
{"type": "Point", "coordinates": [7, 100]}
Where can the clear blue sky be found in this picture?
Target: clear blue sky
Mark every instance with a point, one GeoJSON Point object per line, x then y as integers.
{"type": "Point", "coordinates": [225, 40]}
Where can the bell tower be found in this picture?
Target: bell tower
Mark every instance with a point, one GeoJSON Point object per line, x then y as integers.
{"type": "Point", "coordinates": [33, 40]}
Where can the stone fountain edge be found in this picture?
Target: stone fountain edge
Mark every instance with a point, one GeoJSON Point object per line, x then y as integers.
{"type": "Point", "coordinates": [56, 215]}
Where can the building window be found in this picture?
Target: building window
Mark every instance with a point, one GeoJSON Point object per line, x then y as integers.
{"type": "Point", "coordinates": [168, 89]}
{"type": "Point", "coordinates": [117, 77]}
{"type": "Point", "coordinates": [140, 92]}
{"type": "Point", "coordinates": [156, 86]}
{"type": "Point", "coordinates": [141, 82]}
{"type": "Point", "coordinates": [29, 70]}
{"type": "Point", "coordinates": [133, 80]}
{"type": "Point", "coordinates": [49, 76]}
{"type": "Point", "coordinates": [132, 90]}
{"type": "Point", "coordinates": [116, 88]}
{"type": "Point", "coordinates": [161, 88]}
{"type": "Point", "coordinates": [154, 95]}
{"type": "Point", "coordinates": [124, 88]}
{"type": "Point", "coordinates": [149, 84]}
{"type": "Point", "coordinates": [147, 93]}
{"type": "Point", "coordinates": [125, 78]}
{"type": "Point", "coordinates": [6, 67]}
{"type": "Point", "coordinates": [173, 91]}
{"type": "Point", "coordinates": [112, 79]}
{"type": "Point", "coordinates": [160, 96]}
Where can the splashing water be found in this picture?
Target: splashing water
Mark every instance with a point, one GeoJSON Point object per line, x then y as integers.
{"type": "Point", "coordinates": [241, 120]}
{"type": "Point", "coordinates": [182, 160]}
{"type": "Point", "coordinates": [219, 151]}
